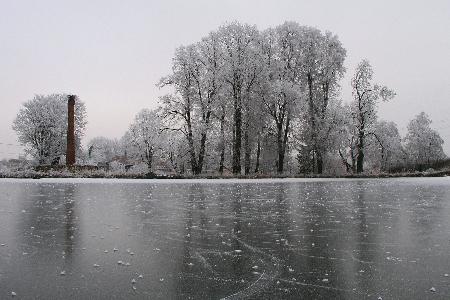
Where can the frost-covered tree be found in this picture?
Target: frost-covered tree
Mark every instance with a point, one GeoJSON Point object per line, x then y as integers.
{"type": "Point", "coordinates": [174, 152]}
{"type": "Point", "coordinates": [366, 96]}
{"type": "Point", "coordinates": [102, 149]}
{"type": "Point", "coordinates": [384, 146]}
{"type": "Point", "coordinates": [251, 101]}
{"type": "Point", "coordinates": [243, 80]}
{"type": "Point", "coordinates": [422, 143]}
{"type": "Point", "coordinates": [280, 91]}
{"type": "Point", "coordinates": [41, 126]}
{"type": "Point", "coordinates": [303, 70]}
{"type": "Point", "coordinates": [347, 145]}
{"type": "Point", "coordinates": [222, 116]}
{"type": "Point", "coordinates": [145, 137]}
{"type": "Point", "coordinates": [196, 90]}
{"type": "Point", "coordinates": [242, 68]}
{"type": "Point", "coordinates": [322, 68]}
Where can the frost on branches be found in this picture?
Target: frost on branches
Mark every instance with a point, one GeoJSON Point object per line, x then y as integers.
{"type": "Point", "coordinates": [423, 144]}
{"type": "Point", "coordinates": [243, 101]}
{"type": "Point", "coordinates": [364, 108]}
{"type": "Point", "coordinates": [145, 137]}
{"type": "Point", "coordinates": [41, 126]}
{"type": "Point", "coordinates": [245, 89]}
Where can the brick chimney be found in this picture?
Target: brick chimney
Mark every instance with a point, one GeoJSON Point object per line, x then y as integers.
{"type": "Point", "coordinates": [70, 152]}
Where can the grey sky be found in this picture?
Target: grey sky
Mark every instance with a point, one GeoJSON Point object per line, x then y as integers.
{"type": "Point", "coordinates": [111, 53]}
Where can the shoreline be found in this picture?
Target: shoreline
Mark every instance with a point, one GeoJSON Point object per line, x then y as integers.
{"type": "Point", "coordinates": [69, 174]}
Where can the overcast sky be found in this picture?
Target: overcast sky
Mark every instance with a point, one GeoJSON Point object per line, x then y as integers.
{"type": "Point", "coordinates": [112, 53]}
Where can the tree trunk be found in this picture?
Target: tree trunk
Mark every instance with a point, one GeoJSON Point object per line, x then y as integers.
{"type": "Point", "coordinates": [319, 163]}
{"type": "Point", "coordinates": [352, 156]}
{"type": "Point", "coordinates": [312, 121]}
{"type": "Point", "coordinates": [237, 137]}
{"type": "Point", "coordinates": [348, 167]}
{"type": "Point", "coordinates": [201, 154]}
{"type": "Point", "coordinates": [222, 135]}
{"type": "Point", "coordinates": [280, 161]}
{"type": "Point", "coordinates": [282, 140]}
{"type": "Point", "coordinates": [222, 159]}
{"type": "Point", "coordinates": [285, 138]}
{"type": "Point", "coordinates": [190, 138]}
{"type": "Point", "coordinates": [258, 153]}
{"type": "Point", "coordinates": [325, 89]}
{"type": "Point", "coordinates": [247, 149]}
{"type": "Point", "coordinates": [150, 160]}
{"type": "Point", "coordinates": [360, 156]}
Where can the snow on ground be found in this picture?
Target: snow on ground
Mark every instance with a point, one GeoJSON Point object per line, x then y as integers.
{"type": "Point", "coordinates": [214, 181]}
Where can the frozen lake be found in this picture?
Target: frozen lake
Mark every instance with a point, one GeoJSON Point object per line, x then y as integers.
{"type": "Point", "coordinates": [225, 239]}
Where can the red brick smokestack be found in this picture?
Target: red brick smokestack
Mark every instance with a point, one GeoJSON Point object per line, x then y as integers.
{"type": "Point", "coordinates": [70, 153]}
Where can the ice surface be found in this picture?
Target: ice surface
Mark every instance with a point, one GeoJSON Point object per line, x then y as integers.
{"type": "Point", "coordinates": [229, 239]}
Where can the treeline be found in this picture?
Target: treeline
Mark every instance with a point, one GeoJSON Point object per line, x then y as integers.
{"type": "Point", "coordinates": [254, 91]}
{"type": "Point", "coordinates": [246, 101]}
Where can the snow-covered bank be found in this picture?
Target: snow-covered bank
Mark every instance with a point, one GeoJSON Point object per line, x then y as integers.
{"type": "Point", "coordinates": [99, 175]}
